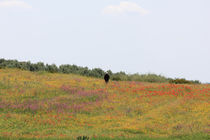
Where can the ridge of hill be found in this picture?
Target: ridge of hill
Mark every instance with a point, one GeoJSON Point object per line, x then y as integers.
{"type": "Point", "coordinates": [96, 72]}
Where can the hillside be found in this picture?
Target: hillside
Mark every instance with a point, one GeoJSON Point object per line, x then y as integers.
{"type": "Point", "coordinates": [47, 105]}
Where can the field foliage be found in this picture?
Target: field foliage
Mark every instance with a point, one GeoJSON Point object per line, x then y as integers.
{"type": "Point", "coordinates": [65, 106]}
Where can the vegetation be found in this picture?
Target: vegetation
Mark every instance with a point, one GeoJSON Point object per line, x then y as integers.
{"type": "Point", "coordinates": [96, 72]}
{"type": "Point", "coordinates": [183, 81]}
{"type": "Point", "coordinates": [44, 105]}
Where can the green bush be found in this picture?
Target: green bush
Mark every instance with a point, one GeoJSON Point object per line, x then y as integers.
{"type": "Point", "coordinates": [183, 81]}
{"type": "Point", "coordinates": [83, 138]}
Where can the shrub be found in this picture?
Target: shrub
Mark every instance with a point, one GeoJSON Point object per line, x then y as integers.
{"type": "Point", "coordinates": [83, 138]}
{"type": "Point", "coordinates": [183, 81]}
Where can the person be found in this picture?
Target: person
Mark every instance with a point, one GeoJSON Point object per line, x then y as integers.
{"type": "Point", "coordinates": [106, 78]}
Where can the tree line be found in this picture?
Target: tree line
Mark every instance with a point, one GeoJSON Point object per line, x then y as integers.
{"type": "Point", "coordinates": [96, 72]}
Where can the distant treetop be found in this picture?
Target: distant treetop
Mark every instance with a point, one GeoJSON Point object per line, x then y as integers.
{"type": "Point", "coordinates": [96, 72]}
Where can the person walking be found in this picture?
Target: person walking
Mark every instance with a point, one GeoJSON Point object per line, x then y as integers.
{"type": "Point", "coordinates": [106, 78]}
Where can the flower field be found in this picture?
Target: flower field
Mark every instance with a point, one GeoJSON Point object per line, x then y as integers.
{"type": "Point", "coordinates": [45, 105]}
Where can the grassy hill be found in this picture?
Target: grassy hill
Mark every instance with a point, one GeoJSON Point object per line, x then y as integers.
{"type": "Point", "coordinates": [45, 105]}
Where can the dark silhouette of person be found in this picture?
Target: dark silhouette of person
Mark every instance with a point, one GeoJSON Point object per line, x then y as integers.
{"type": "Point", "coordinates": [106, 78]}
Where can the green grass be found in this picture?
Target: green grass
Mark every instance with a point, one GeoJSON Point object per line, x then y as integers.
{"type": "Point", "coordinates": [61, 106]}
{"type": "Point", "coordinates": [188, 137]}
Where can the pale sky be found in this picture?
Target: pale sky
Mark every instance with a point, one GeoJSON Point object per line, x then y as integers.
{"type": "Point", "coordinates": [168, 37]}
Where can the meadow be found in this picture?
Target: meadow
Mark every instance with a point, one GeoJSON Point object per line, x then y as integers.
{"type": "Point", "coordinates": [41, 105]}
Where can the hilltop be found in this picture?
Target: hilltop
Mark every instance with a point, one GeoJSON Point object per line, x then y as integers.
{"type": "Point", "coordinates": [96, 72]}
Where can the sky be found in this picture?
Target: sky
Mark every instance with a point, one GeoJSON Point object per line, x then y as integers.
{"type": "Point", "coordinates": [167, 37]}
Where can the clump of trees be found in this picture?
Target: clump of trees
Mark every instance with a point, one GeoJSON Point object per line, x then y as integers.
{"type": "Point", "coordinates": [67, 69]}
{"type": "Point", "coordinates": [183, 81]}
{"type": "Point", "coordinates": [85, 71]}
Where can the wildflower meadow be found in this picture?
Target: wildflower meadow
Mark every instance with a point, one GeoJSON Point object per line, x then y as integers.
{"type": "Point", "coordinates": [41, 105]}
